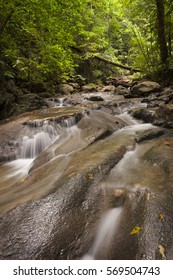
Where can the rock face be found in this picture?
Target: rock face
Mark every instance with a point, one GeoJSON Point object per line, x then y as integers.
{"type": "Point", "coordinates": [144, 88]}
{"type": "Point", "coordinates": [103, 162]}
{"type": "Point", "coordinates": [74, 204]}
{"type": "Point", "coordinates": [164, 116]}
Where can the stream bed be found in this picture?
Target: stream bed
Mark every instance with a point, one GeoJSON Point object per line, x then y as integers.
{"type": "Point", "coordinates": [86, 182]}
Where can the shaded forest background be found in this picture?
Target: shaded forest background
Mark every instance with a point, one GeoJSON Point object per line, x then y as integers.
{"type": "Point", "coordinates": [48, 41]}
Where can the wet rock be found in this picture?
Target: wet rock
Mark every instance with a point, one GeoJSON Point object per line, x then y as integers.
{"type": "Point", "coordinates": [76, 86]}
{"type": "Point", "coordinates": [150, 135]}
{"type": "Point", "coordinates": [142, 114]}
{"type": "Point", "coordinates": [94, 98]}
{"type": "Point", "coordinates": [96, 125]}
{"type": "Point", "coordinates": [120, 81]}
{"type": "Point", "coordinates": [153, 104]}
{"type": "Point", "coordinates": [144, 88]}
{"type": "Point", "coordinates": [164, 116]}
{"type": "Point", "coordinates": [65, 89]}
{"type": "Point", "coordinates": [89, 88]}
{"type": "Point", "coordinates": [167, 96]}
{"type": "Point", "coordinates": [120, 90]}
{"type": "Point", "coordinates": [14, 129]}
{"type": "Point", "coordinates": [109, 88]}
{"type": "Point", "coordinates": [54, 227]}
{"type": "Point", "coordinates": [142, 209]}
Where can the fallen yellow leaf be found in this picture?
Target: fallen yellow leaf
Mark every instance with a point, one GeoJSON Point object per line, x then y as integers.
{"type": "Point", "coordinates": [23, 180]}
{"type": "Point", "coordinates": [162, 251]}
{"type": "Point", "coordinates": [135, 230]}
{"type": "Point", "coordinates": [90, 176]}
{"type": "Point", "coordinates": [160, 216]}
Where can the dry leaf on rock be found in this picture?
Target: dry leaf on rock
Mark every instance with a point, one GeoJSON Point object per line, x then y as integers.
{"type": "Point", "coordinates": [135, 230]}
{"type": "Point", "coordinates": [90, 176]}
{"type": "Point", "coordinates": [160, 216]}
{"type": "Point", "coordinates": [23, 180]}
{"type": "Point", "coordinates": [162, 251]}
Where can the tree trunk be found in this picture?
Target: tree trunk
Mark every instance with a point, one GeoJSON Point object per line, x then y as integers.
{"type": "Point", "coordinates": [161, 31]}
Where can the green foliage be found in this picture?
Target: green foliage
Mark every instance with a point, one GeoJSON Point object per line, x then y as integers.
{"type": "Point", "coordinates": [37, 36]}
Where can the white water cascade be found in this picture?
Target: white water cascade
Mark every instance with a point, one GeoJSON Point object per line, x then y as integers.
{"type": "Point", "coordinates": [105, 232]}
{"type": "Point", "coordinates": [39, 134]}
{"type": "Point", "coordinates": [43, 134]}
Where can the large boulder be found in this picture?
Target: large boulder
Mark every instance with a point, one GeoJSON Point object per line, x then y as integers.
{"type": "Point", "coordinates": [142, 114]}
{"type": "Point", "coordinates": [120, 90]}
{"type": "Point", "coordinates": [65, 89]}
{"type": "Point", "coordinates": [164, 116]}
{"type": "Point", "coordinates": [109, 88]}
{"type": "Point", "coordinates": [144, 88]}
{"type": "Point", "coordinates": [90, 88]}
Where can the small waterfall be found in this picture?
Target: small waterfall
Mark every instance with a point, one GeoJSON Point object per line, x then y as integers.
{"type": "Point", "coordinates": [61, 102]}
{"type": "Point", "coordinates": [71, 121]}
{"type": "Point", "coordinates": [123, 107]}
{"type": "Point", "coordinates": [42, 134]}
{"type": "Point", "coordinates": [129, 120]}
{"type": "Point", "coordinates": [106, 230]}
{"type": "Point", "coordinates": [31, 147]}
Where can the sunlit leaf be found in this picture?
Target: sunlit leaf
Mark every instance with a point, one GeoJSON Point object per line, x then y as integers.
{"type": "Point", "coordinates": [160, 216]}
{"type": "Point", "coordinates": [90, 176]}
{"type": "Point", "coordinates": [135, 230]}
{"type": "Point", "coordinates": [23, 180]}
{"type": "Point", "coordinates": [162, 251]}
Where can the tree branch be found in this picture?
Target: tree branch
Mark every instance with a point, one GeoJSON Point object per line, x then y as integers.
{"type": "Point", "coordinates": [116, 64]}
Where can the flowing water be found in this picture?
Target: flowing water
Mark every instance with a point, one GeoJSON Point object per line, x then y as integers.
{"type": "Point", "coordinates": [39, 135]}
{"type": "Point", "coordinates": [106, 230]}
{"type": "Point", "coordinates": [63, 139]}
